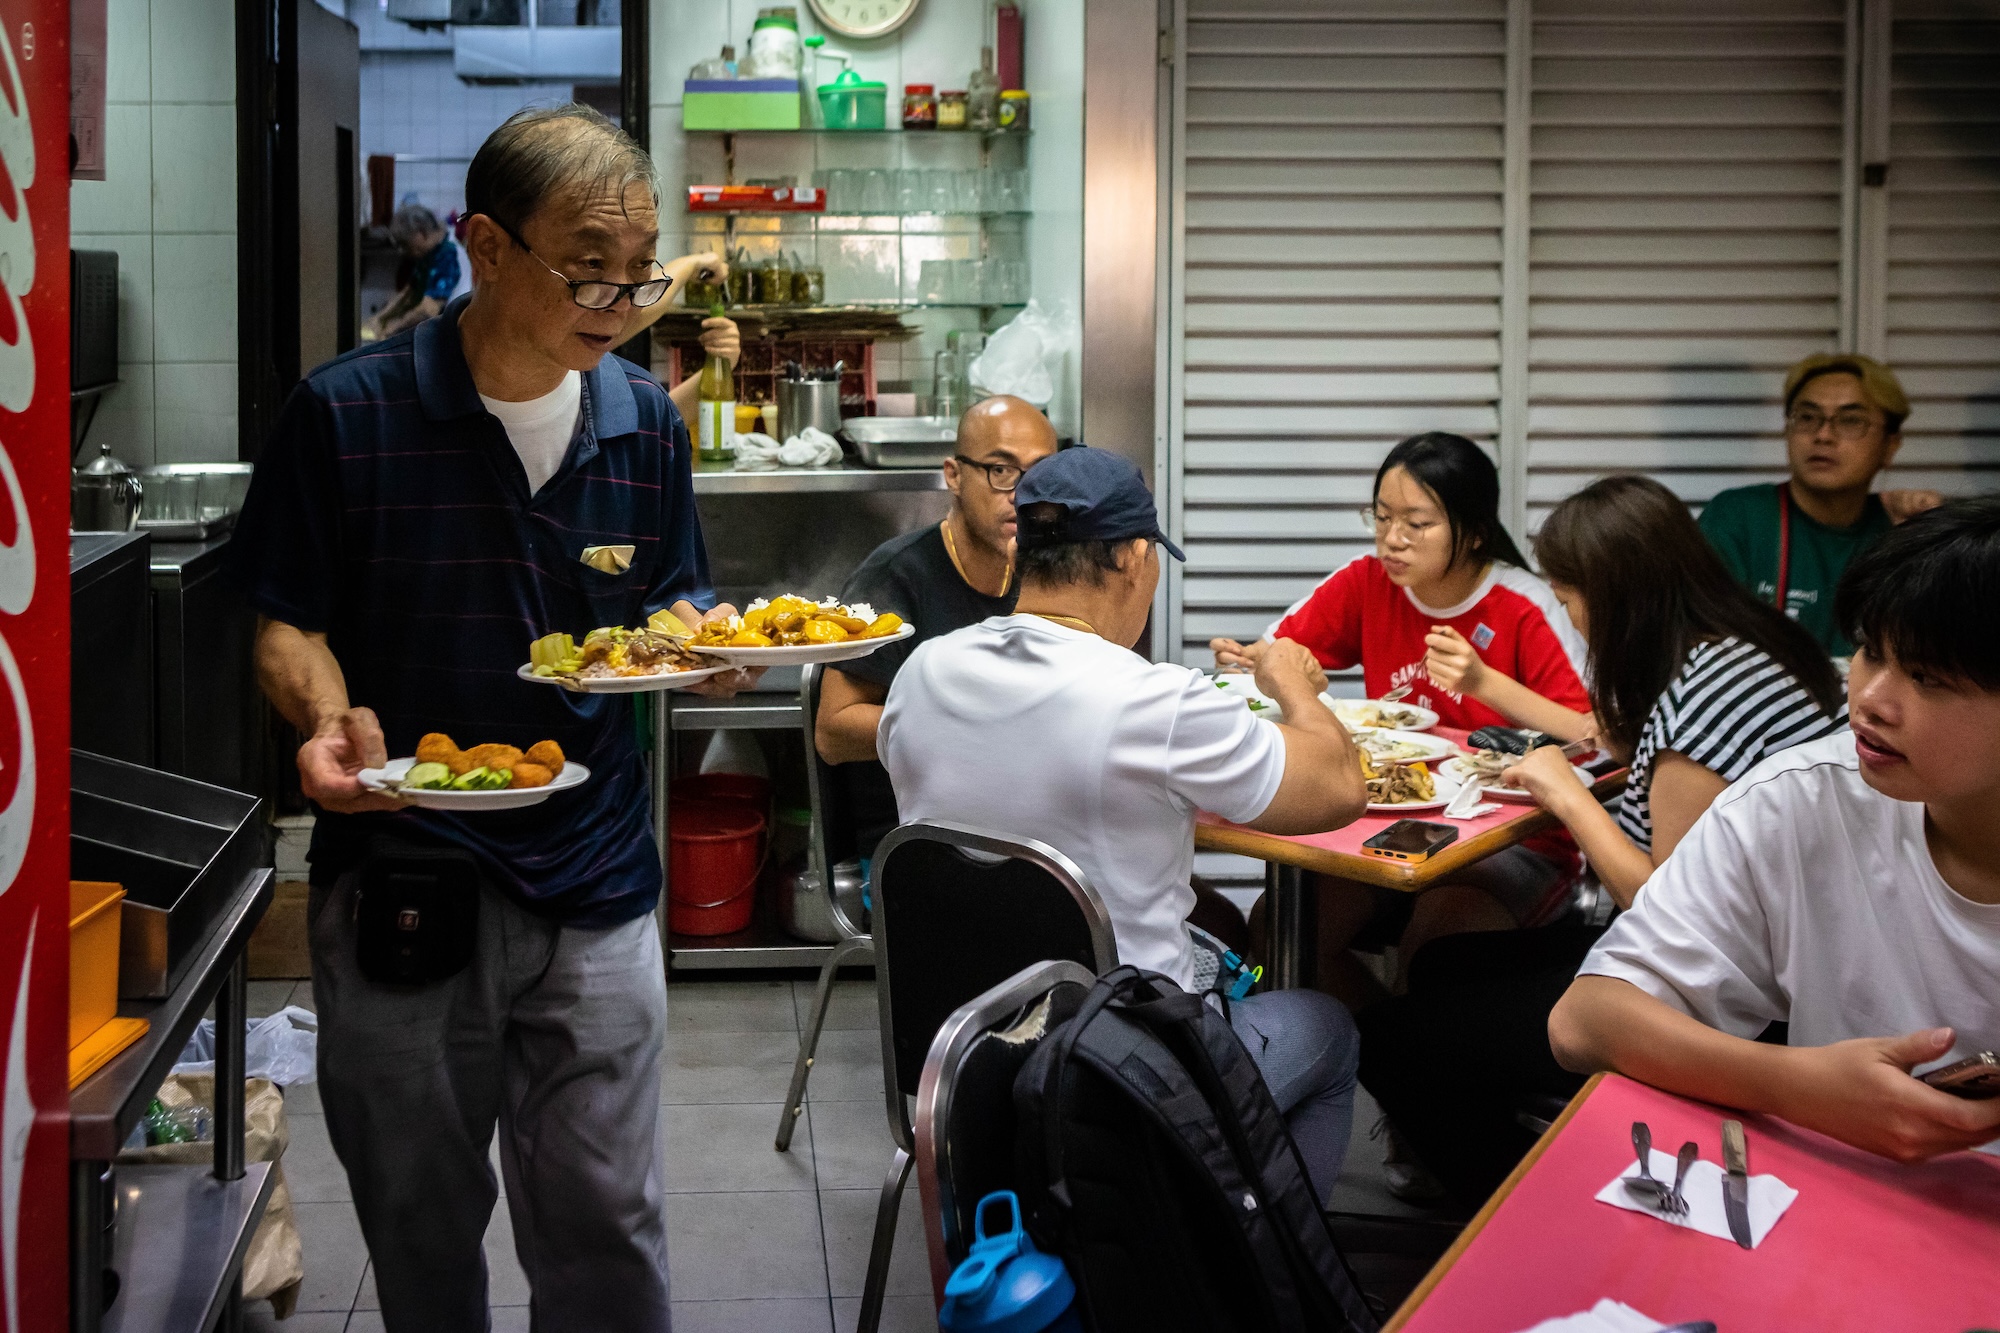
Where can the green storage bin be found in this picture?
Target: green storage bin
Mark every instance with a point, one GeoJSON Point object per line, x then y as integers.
{"type": "Point", "coordinates": [740, 104]}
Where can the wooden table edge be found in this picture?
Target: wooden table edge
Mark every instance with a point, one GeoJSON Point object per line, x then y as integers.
{"type": "Point", "coordinates": [1479, 1220]}
{"type": "Point", "coordinates": [1380, 870]}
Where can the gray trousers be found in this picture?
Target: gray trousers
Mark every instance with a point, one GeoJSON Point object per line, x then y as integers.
{"type": "Point", "coordinates": [554, 1033]}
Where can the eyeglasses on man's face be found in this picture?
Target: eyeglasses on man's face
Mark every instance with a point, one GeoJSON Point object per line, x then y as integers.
{"type": "Point", "coordinates": [595, 294]}
{"type": "Point", "coordinates": [1384, 522]}
{"type": "Point", "coordinates": [1002, 477]}
{"type": "Point", "coordinates": [1849, 423]}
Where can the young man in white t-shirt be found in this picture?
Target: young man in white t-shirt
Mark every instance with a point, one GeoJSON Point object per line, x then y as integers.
{"type": "Point", "coordinates": [1849, 887]}
{"type": "Point", "coordinates": [1044, 724]}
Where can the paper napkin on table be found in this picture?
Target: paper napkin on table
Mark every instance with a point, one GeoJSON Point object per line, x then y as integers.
{"type": "Point", "coordinates": [1467, 805]}
{"type": "Point", "coordinates": [1607, 1316]}
{"type": "Point", "coordinates": [1769, 1198]}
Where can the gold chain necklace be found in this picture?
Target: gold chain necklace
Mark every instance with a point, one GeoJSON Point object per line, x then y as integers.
{"type": "Point", "coordinates": [951, 549]}
{"type": "Point", "coordinates": [1078, 621]}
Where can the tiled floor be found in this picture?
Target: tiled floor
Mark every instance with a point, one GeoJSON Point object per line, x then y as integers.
{"type": "Point", "coordinates": [758, 1241]}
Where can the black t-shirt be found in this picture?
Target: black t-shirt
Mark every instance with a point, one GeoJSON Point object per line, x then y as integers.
{"type": "Point", "coordinates": [913, 576]}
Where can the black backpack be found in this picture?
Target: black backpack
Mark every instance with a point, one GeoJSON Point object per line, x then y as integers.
{"type": "Point", "coordinates": [1150, 1156]}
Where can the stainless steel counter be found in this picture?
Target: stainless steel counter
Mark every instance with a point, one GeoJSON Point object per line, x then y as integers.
{"type": "Point", "coordinates": [718, 480]}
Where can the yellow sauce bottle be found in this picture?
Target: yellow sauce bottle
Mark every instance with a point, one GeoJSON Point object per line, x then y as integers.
{"type": "Point", "coordinates": [716, 410]}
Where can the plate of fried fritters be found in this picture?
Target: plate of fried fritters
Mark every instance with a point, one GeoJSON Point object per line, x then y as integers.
{"type": "Point", "coordinates": [485, 777]}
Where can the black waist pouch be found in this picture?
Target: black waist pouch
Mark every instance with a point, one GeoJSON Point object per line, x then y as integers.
{"type": "Point", "coordinates": [416, 913]}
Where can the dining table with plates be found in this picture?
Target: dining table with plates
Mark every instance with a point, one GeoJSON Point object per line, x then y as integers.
{"type": "Point", "coordinates": [1290, 909]}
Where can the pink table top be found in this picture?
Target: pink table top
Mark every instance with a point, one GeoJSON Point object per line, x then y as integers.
{"type": "Point", "coordinates": [1869, 1246]}
{"type": "Point", "coordinates": [1339, 850]}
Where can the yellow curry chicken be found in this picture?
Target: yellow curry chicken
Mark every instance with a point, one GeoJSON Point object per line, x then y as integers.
{"type": "Point", "coordinates": [788, 622]}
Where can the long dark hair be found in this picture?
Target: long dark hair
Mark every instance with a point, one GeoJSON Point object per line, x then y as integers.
{"type": "Point", "coordinates": [1652, 589]}
{"type": "Point", "coordinates": [1467, 487]}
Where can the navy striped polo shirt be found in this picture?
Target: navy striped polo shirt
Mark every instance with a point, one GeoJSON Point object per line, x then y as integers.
{"type": "Point", "coordinates": [390, 511]}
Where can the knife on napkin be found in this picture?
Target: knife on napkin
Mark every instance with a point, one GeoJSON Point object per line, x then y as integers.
{"type": "Point", "coordinates": [1736, 1184]}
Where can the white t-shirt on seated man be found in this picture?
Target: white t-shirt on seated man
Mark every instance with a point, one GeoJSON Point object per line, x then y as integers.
{"type": "Point", "coordinates": [1044, 724]}
{"type": "Point", "coordinates": [1031, 727]}
{"type": "Point", "coordinates": [1849, 887]}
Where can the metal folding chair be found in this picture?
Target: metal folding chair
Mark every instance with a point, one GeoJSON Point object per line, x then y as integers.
{"type": "Point", "coordinates": [958, 911]}
{"type": "Point", "coordinates": [829, 836]}
{"type": "Point", "coordinates": [965, 1100]}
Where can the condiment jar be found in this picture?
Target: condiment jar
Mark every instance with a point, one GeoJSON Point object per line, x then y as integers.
{"type": "Point", "coordinates": [951, 109]}
{"type": "Point", "coordinates": [809, 285]}
{"type": "Point", "coordinates": [774, 283]}
{"type": "Point", "coordinates": [1014, 109]}
{"type": "Point", "coordinates": [920, 108]}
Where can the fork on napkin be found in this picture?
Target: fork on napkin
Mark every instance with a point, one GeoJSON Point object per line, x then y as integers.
{"type": "Point", "coordinates": [1769, 1198]}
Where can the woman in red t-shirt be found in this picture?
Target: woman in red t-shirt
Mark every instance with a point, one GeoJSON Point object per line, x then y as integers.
{"type": "Point", "coordinates": [1446, 606]}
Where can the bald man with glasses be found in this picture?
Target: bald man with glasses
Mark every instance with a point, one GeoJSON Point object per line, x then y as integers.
{"type": "Point", "coordinates": [939, 578]}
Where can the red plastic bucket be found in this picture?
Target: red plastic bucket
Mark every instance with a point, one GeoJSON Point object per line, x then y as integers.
{"type": "Point", "coordinates": [743, 790]}
{"type": "Point", "coordinates": [714, 857]}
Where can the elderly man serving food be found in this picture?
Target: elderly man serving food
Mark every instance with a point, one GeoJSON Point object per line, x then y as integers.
{"type": "Point", "coordinates": [427, 509]}
{"type": "Point", "coordinates": [1088, 747]}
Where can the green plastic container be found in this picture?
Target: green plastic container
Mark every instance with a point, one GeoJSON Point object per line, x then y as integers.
{"type": "Point", "coordinates": [850, 102]}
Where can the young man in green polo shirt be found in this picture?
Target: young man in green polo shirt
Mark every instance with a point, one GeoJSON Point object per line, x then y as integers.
{"type": "Point", "coordinates": [1789, 543]}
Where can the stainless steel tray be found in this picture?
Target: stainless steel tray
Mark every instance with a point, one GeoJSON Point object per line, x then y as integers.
{"type": "Point", "coordinates": [181, 849]}
{"type": "Point", "coordinates": [901, 442]}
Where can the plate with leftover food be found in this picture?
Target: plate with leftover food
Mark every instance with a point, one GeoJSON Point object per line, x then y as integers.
{"type": "Point", "coordinates": [615, 660]}
{"type": "Point", "coordinates": [486, 777]}
{"type": "Point", "coordinates": [1395, 788]}
{"type": "Point", "coordinates": [1486, 766]}
{"type": "Point", "coordinates": [1372, 714]}
{"type": "Point", "coordinates": [797, 631]}
{"type": "Point", "coordinates": [1402, 747]}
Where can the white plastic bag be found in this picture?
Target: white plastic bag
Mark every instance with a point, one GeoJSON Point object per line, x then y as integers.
{"type": "Point", "coordinates": [283, 1048]}
{"type": "Point", "coordinates": [1025, 357]}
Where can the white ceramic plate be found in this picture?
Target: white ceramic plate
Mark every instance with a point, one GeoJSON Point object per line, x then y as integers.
{"type": "Point", "coordinates": [1433, 747]}
{"type": "Point", "coordinates": [1350, 713]}
{"type": "Point", "coordinates": [1447, 787]}
{"type": "Point", "coordinates": [803, 654]}
{"type": "Point", "coordinates": [507, 798]}
{"type": "Point", "coordinates": [1458, 769]}
{"type": "Point", "coordinates": [672, 680]}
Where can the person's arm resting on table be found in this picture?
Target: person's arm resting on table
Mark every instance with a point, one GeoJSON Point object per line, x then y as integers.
{"type": "Point", "coordinates": [1322, 787]}
{"type": "Point", "coordinates": [1691, 959]}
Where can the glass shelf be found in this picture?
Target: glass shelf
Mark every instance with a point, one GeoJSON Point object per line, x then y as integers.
{"type": "Point", "coordinates": [842, 213]}
{"type": "Point", "coordinates": [850, 134]}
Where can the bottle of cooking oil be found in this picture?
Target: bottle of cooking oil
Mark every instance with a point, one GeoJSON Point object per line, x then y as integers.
{"type": "Point", "coordinates": [716, 426]}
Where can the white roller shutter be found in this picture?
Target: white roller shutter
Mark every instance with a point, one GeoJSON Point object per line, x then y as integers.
{"type": "Point", "coordinates": [1943, 318]}
{"type": "Point", "coordinates": [1338, 281]}
{"type": "Point", "coordinates": [1685, 244]}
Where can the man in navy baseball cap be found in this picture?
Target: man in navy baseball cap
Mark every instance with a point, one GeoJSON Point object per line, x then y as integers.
{"type": "Point", "coordinates": [1045, 724]}
{"type": "Point", "coordinates": [1101, 496]}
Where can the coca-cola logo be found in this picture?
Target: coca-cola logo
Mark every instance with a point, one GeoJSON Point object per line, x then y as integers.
{"type": "Point", "coordinates": [17, 390]}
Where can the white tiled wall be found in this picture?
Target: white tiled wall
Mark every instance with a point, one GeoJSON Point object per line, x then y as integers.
{"type": "Point", "coordinates": [411, 102]}
{"type": "Point", "coordinates": [167, 205]}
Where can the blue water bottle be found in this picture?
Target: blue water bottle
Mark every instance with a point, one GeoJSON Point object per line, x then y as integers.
{"type": "Point", "coordinates": [1006, 1285]}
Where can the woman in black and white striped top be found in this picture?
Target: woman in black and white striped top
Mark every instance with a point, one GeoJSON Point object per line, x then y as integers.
{"type": "Point", "coordinates": [1691, 679]}
{"type": "Point", "coordinates": [1731, 706]}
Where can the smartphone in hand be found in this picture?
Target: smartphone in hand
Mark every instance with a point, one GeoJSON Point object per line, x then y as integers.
{"type": "Point", "coordinates": [1976, 1077]}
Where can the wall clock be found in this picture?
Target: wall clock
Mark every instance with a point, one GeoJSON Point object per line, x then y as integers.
{"type": "Point", "coordinates": [864, 18]}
